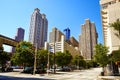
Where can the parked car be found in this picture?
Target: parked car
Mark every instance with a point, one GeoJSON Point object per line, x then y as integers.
{"type": "Point", "coordinates": [9, 69]}
{"type": "Point", "coordinates": [61, 69]}
{"type": "Point", "coordinates": [57, 69]}
{"type": "Point", "coordinates": [30, 70]}
{"type": "Point", "coordinates": [0, 69]}
{"type": "Point", "coordinates": [17, 67]}
{"type": "Point", "coordinates": [66, 69]}
{"type": "Point", "coordinates": [6, 69]}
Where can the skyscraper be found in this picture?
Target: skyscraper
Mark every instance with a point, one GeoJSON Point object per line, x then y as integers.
{"type": "Point", "coordinates": [88, 40]}
{"type": "Point", "coordinates": [44, 29]}
{"type": "Point", "coordinates": [19, 36]}
{"type": "Point", "coordinates": [67, 33]}
{"type": "Point", "coordinates": [110, 12]}
{"type": "Point", "coordinates": [38, 29]}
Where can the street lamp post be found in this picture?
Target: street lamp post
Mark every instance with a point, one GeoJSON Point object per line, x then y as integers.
{"type": "Point", "coordinates": [78, 63]}
{"type": "Point", "coordinates": [35, 60]}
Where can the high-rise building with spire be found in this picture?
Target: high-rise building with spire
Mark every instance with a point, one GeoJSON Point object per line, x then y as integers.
{"type": "Point", "coordinates": [38, 29]}
{"type": "Point", "coordinates": [67, 33]}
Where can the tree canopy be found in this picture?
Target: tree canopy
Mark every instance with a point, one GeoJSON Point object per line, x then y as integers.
{"type": "Point", "coordinates": [63, 59]}
{"type": "Point", "coordinates": [115, 56]}
{"type": "Point", "coordinates": [1, 49]}
{"type": "Point", "coordinates": [3, 58]}
{"type": "Point", "coordinates": [42, 58]}
{"type": "Point", "coordinates": [116, 26]}
{"type": "Point", "coordinates": [79, 61]}
{"type": "Point", "coordinates": [24, 54]}
{"type": "Point", "coordinates": [101, 55]}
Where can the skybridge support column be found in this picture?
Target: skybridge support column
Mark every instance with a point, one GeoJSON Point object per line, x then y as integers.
{"type": "Point", "coordinates": [0, 45]}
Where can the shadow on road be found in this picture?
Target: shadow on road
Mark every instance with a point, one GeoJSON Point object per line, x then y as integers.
{"type": "Point", "coordinates": [20, 78]}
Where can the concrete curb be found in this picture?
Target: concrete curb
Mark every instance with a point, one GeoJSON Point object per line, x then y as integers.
{"type": "Point", "coordinates": [109, 77]}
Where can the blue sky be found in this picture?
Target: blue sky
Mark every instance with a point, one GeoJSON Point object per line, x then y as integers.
{"type": "Point", "coordinates": [60, 14]}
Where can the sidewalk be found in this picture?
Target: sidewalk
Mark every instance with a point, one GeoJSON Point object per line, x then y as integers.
{"type": "Point", "coordinates": [109, 77]}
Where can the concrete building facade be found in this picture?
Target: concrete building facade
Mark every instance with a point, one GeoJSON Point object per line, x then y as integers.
{"type": "Point", "coordinates": [55, 35]}
{"type": "Point", "coordinates": [38, 29]}
{"type": "Point", "coordinates": [74, 42]}
{"type": "Point", "coordinates": [58, 43]}
{"type": "Point", "coordinates": [110, 12]}
{"type": "Point", "coordinates": [61, 46]}
{"type": "Point", "coordinates": [88, 39]}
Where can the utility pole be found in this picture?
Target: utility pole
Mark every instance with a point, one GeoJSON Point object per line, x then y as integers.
{"type": "Point", "coordinates": [78, 63]}
{"type": "Point", "coordinates": [54, 57]}
{"type": "Point", "coordinates": [48, 63]}
{"type": "Point", "coordinates": [35, 60]}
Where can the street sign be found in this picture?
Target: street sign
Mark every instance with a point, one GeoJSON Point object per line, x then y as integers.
{"type": "Point", "coordinates": [24, 46]}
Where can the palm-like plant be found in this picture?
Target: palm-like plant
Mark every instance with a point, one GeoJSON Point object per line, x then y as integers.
{"type": "Point", "coordinates": [101, 55]}
{"type": "Point", "coordinates": [116, 26]}
{"type": "Point", "coordinates": [116, 54]}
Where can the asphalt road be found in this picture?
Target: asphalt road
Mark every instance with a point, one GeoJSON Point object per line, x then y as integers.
{"type": "Point", "coordinates": [19, 78]}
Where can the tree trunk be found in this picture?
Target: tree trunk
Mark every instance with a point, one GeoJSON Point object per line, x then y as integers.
{"type": "Point", "coordinates": [102, 73]}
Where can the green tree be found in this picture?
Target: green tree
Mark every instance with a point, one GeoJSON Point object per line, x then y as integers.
{"type": "Point", "coordinates": [24, 54]}
{"type": "Point", "coordinates": [115, 56]}
{"type": "Point", "coordinates": [42, 58]}
{"type": "Point", "coordinates": [79, 61]}
{"type": "Point", "coordinates": [91, 63]}
{"type": "Point", "coordinates": [115, 59]}
{"type": "Point", "coordinates": [1, 49]}
{"type": "Point", "coordinates": [63, 59]}
{"type": "Point", "coordinates": [15, 59]}
{"type": "Point", "coordinates": [51, 58]}
{"type": "Point", "coordinates": [101, 55]}
{"type": "Point", "coordinates": [116, 26]}
{"type": "Point", "coordinates": [3, 58]}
